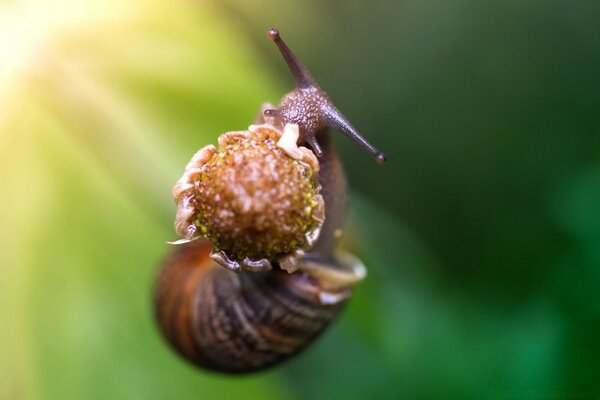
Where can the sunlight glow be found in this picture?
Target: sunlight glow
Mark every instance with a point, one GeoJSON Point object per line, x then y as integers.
{"type": "Point", "coordinates": [31, 33]}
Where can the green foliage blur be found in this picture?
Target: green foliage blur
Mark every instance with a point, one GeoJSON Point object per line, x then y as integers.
{"type": "Point", "coordinates": [481, 233]}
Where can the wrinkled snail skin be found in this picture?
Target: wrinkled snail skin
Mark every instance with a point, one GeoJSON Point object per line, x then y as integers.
{"type": "Point", "coordinates": [334, 191]}
{"type": "Point", "coordinates": [311, 109]}
{"type": "Point", "coordinates": [236, 322]}
{"type": "Point", "coordinates": [253, 319]}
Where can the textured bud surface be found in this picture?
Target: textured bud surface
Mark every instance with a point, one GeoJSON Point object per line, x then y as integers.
{"type": "Point", "coordinates": [250, 197]}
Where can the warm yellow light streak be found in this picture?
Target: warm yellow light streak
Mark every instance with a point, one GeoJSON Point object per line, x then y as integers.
{"type": "Point", "coordinates": [31, 35]}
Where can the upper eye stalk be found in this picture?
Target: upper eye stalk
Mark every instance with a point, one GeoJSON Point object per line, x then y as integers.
{"type": "Point", "coordinates": [310, 108]}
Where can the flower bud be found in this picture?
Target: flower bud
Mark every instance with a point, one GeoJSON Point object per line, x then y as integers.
{"type": "Point", "coordinates": [256, 198]}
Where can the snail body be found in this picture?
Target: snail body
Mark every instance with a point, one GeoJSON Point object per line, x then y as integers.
{"type": "Point", "coordinates": [257, 276]}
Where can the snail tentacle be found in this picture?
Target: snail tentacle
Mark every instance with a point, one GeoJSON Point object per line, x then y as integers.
{"type": "Point", "coordinates": [310, 107]}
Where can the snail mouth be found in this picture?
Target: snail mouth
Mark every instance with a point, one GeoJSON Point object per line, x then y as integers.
{"type": "Point", "coordinates": [337, 277]}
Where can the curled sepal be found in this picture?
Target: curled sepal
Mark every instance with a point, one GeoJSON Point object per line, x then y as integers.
{"type": "Point", "coordinates": [336, 277]}
{"type": "Point", "coordinates": [246, 264]}
{"type": "Point", "coordinates": [256, 198]}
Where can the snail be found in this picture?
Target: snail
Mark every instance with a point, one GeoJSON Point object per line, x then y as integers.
{"type": "Point", "coordinates": [258, 276]}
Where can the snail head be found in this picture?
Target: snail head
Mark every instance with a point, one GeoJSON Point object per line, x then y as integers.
{"type": "Point", "coordinates": [310, 108]}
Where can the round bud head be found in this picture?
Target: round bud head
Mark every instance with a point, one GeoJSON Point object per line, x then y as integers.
{"type": "Point", "coordinates": [255, 198]}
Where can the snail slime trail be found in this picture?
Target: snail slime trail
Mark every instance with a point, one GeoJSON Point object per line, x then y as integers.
{"type": "Point", "coordinates": [257, 275]}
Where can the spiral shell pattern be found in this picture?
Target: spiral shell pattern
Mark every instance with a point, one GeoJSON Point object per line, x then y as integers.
{"type": "Point", "coordinates": [240, 322]}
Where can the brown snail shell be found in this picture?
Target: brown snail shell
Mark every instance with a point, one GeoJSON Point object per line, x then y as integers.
{"type": "Point", "coordinates": [246, 321]}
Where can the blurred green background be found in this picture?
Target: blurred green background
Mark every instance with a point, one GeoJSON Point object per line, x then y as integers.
{"type": "Point", "coordinates": [481, 233]}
